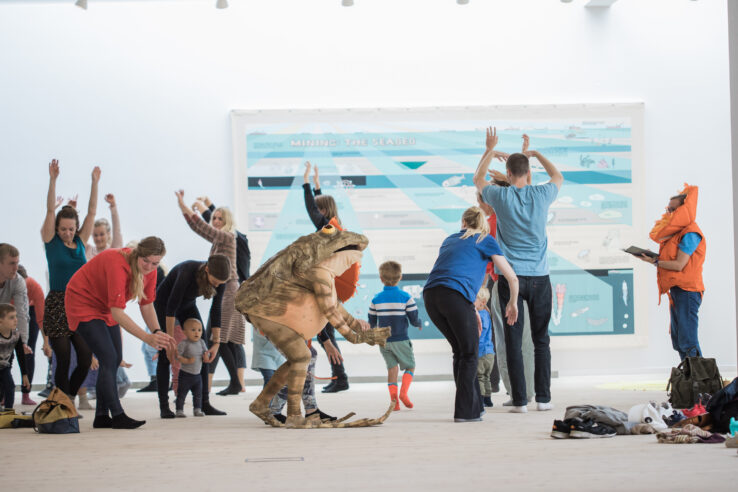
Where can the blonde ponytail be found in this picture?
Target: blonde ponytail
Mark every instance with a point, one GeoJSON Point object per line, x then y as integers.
{"type": "Point", "coordinates": [148, 246]}
{"type": "Point", "coordinates": [475, 223]}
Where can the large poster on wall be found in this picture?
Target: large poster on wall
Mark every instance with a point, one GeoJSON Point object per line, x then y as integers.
{"type": "Point", "coordinates": [404, 177]}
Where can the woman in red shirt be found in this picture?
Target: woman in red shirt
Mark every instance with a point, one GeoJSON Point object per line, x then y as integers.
{"type": "Point", "coordinates": [95, 300]}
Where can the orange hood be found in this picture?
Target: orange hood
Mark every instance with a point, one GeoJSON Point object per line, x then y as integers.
{"type": "Point", "coordinates": [673, 222]}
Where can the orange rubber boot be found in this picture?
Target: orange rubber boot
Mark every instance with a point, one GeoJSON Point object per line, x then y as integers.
{"type": "Point", "coordinates": [393, 395]}
{"type": "Point", "coordinates": [407, 378]}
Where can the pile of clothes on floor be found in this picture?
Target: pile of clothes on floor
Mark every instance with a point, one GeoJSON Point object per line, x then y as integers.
{"type": "Point", "coordinates": [705, 422]}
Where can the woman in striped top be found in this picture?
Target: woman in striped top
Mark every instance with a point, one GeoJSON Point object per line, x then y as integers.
{"type": "Point", "coordinates": [233, 325]}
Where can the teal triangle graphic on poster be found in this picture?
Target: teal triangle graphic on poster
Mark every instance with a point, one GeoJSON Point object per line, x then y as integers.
{"type": "Point", "coordinates": [413, 164]}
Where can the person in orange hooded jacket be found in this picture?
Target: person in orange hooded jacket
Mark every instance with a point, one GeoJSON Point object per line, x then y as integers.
{"type": "Point", "coordinates": [682, 249]}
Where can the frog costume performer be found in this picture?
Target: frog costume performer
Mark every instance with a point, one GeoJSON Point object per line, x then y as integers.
{"type": "Point", "coordinates": [290, 299]}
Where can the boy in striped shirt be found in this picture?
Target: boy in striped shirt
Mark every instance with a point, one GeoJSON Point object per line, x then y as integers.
{"type": "Point", "coordinates": [394, 308]}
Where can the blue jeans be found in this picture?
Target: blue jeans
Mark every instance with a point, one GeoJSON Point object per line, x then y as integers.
{"type": "Point", "coordinates": [149, 352]}
{"type": "Point", "coordinates": [536, 291]}
{"type": "Point", "coordinates": [684, 309]}
{"type": "Point", "coordinates": [105, 343]}
{"type": "Point", "coordinates": [267, 375]}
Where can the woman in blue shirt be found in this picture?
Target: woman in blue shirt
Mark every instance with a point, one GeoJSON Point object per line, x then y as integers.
{"type": "Point", "coordinates": [64, 241]}
{"type": "Point", "coordinates": [449, 296]}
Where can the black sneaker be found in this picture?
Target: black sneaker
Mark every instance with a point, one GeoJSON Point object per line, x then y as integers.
{"type": "Point", "coordinates": [339, 385]}
{"type": "Point", "coordinates": [561, 429]}
{"type": "Point", "coordinates": [588, 429]}
{"type": "Point", "coordinates": [487, 401]}
{"type": "Point", "coordinates": [152, 386]}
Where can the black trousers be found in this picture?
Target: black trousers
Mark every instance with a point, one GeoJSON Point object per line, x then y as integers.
{"type": "Point", "coordinates": [337, 370]}
{"type": "Point", "coordinates": [62, 347]}
{"type": "Point", "coordinates": [187, 382]}
{"type": "Point", "coordinates": [536, 291]}
{"type": "Point", "coordinates": [456, 318]}
{"type": "Point", "coordinates": [32, 338]}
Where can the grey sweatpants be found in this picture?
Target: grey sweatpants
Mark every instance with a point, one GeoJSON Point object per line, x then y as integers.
{"type": "Point", "coordinates": [527, 347]}
{"type": "Point", "coordinates": [484, 368]}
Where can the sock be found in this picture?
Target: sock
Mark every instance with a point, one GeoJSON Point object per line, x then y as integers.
{"type": "Point", "coordinates": [84, 403]}
{"type": "Point", "coordinates": [26, 400]}
{"type": "Point", "coordinates": [393, 394]}
{"type": "Point", "coordinates": [102, 422]}
{"type": "Point", "coordinates": [407, 378]}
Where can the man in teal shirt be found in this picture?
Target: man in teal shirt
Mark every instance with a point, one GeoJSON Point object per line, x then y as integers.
{"type": "Point", "coordinates": [522, 210]}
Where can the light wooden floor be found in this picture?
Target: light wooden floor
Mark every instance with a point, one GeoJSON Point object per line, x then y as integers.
{"type": "Point", "coordinates": [419, 449]}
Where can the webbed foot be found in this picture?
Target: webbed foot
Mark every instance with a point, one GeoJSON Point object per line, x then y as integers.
{"type": "Point", "coordinates": [263, 412]}
{"type": "Point", "coordinates": [300, 422]}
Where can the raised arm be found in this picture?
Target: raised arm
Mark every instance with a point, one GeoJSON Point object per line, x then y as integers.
{"type": "Point", "coordinates": [316, 181]}
{"type": "Point", "coordinates": [47, 229]}
{"type": "Point", "coordinates": [187, 211]}
{"type": "Point", "coordinates": [205, 206]}
{"type": "Point", "coordinates": [200, 227]}
{"type": "Point", "coordinates": [556, 177]}
{"type": "Point", "coordinates": [117, 236]}
{"type": "Point", "coordinates": [511, 310]}
{"type": "Point", "coordinates": [480, 175]}
{"type": "Point", "coordinates": [319, 220]}
{"type": "Point", "coordinates": [89, 222]}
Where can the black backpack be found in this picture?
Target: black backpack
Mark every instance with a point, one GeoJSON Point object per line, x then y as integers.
{"type": "Point", "coordinates": [723, 405]}
{"type": "Point", "coordinates": [693, 376]}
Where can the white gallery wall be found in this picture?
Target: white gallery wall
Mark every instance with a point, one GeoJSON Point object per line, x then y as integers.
{"type": "Point", "coordinates": [144, 89]}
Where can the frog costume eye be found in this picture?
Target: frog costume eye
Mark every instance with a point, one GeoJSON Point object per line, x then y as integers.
{"type": "Point", "coordinates": [328, 230]}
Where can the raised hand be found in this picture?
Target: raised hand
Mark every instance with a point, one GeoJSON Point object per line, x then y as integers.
{"type": "Point", "coordinates": [491, 139]}
{"type": "Point", "coordinates": [180, 196]}
{"type": "Point", "coordinates": [72, 202]}
{"type": "Point", "coordinates": [205, 199]}
{"type": "Point", "coordinates": [96, 174]}
{"type": "Point", "coordinates": [306, 174]}
{"type": "Point", "coordinates": [526, 144]}
{"type": "Point", "coordinates": [316, 178]}
{"type": "Point", "coordinates": [498, 177]}
{"type": "Point", "coordinates": [110, 198]}
{"type": "Point", "coordinates": [198, 206]}
{"type": "Point", "coordinates": [500, 156]}
{"type": "Point", "coordinates": [54, 169]}
{"type": "Point", "coordinates": [59, 201]}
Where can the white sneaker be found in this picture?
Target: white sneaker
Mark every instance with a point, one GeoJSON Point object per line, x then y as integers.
{"type": "Point", "coordinates": [522, 409]}
{"type": "Point", "coordinates": [508, 403]}
{"type": "Point", "coordinates": [542, 407]}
